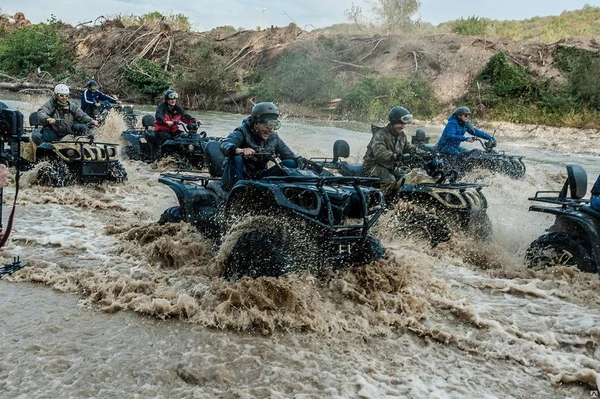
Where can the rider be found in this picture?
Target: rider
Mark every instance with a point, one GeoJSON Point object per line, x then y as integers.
{"type": "Point", "coordinates": [385, 151]}
{"type": "Point", "coordinates": [92, 98]}
{"type": "Point", "coordinates": [60, 117]}
{"type": "Point", "coordinates": [166, 121]}
{"type": "Point", "coordinates": [454, 132]}
{"type": "Point", "coordinates": [255, 134]}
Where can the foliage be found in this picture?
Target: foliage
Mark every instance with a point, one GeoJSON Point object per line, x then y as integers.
{"type": "Point", "coordinates": [147, 78]}
{"type": "Point", "coordinates": [304, 74]}
{"type": "Point", "coordinates": [209, 81]}
{"type": "Point", "coordinates": [581, 69]}
{"type": "Point", "coordinates": [397, 15]}
{"type": "Point", "coordinates": [174, 21]}
{"type": "Point", "coordinates": [471, 26]}
{"type": "Point", "coordinates": [510, 92]}
{"type": "Point", "coordinates": [24, 50]}
{"type": "Point", "coordinates": [371, 98]}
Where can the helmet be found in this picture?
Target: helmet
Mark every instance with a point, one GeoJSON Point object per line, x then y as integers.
{"type": "Point", "coordinates": [91, 83]}
{"type": "Point", "coordinates": [462, 111]}
{"type": "Point", "coordinates": [262, 112]}
{"type": "Point", "coordinates": [61, 89]}
{"type": "Point", "coordinates": [399, 115]}
{"type": "Point", "coordinates": [169, 94]}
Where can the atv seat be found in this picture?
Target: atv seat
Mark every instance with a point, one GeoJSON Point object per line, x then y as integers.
{"type": "Point", "coordinates": [341, 149]}
{"type": "Point", "coordinates": [148, 122]}
{"type": "Point", "coordinates": [420, 138]}
{"type": "Point", "coordinates": [576, 182]}
{"type": "Point", "coordinates": [33, 120]}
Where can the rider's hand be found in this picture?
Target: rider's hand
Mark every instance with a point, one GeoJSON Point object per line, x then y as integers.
{"type": "Point", "coordinates": [169, 123]}
{"type": "Point", "coordinates": [51, 121]}
{"type": "Point", "coordinates": [471, 139]}
{"type": "Point", "coordinates": [245, 152]}
{"type": "Point", "coordinates": [94, 122]}
{"type": "Point", "coordinates": [97, 104]}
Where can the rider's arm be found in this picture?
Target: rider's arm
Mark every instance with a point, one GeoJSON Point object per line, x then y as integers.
{"type": "Point", "coordinates": [596, 187]}
{"type": "Point", "coordinates": [452, 132]}
{"type": "Point", "coordinates": [480, 133]}
{"type": "Point", "coordinates": [86, 98]}
{"type": "Point", "coordinates": [80, 115]}
{"type": "Point", "coordinates": [383, 155]}
{"type": "Point", "coordinates": [105, 97]}
{"type": "Point", "coordinates": [44, 113]}
{"type": "Point", "coordinates": [283, 151]}
{"type": "Point", "coordinates": [232, 143]}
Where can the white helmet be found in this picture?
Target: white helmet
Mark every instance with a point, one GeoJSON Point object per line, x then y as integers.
{"type": "Point", "coordinates": [61, 89]}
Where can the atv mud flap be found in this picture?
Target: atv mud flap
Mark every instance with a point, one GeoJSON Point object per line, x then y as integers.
{"type": "Point", "coordinates": [94, 171]}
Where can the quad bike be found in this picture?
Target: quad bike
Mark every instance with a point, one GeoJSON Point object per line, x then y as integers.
{"type": "Point", "coordinates": [74, 159]}
{"type": "Point", "coordinates": [276, 225]}
{"type": "Point", "coordinates": [488, 158]}
{"type": "Point", "coordinates": [574, 238]}
{"type": "Point", "coordinates": [101, 113]}
{"type": "Point", "coordinates": [432, 203]}
{"type": "Point", "coordinates": [188, 148]}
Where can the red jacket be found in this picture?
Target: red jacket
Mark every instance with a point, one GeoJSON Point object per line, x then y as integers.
{"type": "Point", "coordinates": [175, 114]}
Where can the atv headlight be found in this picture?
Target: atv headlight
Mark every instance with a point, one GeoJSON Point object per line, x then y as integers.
{"type": "Point", "coordinates": [71, 153]}
{"type": "Point", "coordinates": [111, 152]}
{"type": "Point", "coordinates": [190, 147]}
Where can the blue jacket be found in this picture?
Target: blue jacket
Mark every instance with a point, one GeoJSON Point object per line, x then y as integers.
{"type": "Point", "coordinates": [90, 98]}
{"type": "Point", "coordinates": [454, 134]}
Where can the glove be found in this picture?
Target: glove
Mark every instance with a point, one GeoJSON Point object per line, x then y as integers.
{"type": "Point", "coordinates": [403, 157]}
{"type": "Point", "coordinates": [192, 126]}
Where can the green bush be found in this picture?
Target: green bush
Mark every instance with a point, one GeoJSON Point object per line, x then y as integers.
{"type": "Point", "coordinates": [26, 49]}
{"type": "Point", "coordinates": [208, 82]}
{"type": "Point", "coordinates": [471, 26]}
{"type": "Point", "coordinates": [305, 74]}
{"type": "Point", "coordinates": [582, 70]}
{"type": "Point", "coordinates": [371, 98]}
{"type": "Point", "coordinates": [147, 78]}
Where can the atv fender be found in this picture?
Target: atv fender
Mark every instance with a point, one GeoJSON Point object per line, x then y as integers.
{"type": "Point", "coordinates": [585, 220]}
{"type": "Point", "coordinates": [199, 202]}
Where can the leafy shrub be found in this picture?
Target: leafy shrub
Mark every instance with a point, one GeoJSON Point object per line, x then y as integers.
{"type": "Point", "coordinates": [581, 68]}
{"type": "Point", "coordinates": [205, 84]}
{"type": "Point", "coordinates": [305, 74]}
{"type": "Point", "coordinates": [174, 21]}
{"type": "Point", "coordinates": [42, 46]}
{"type": "Point", "coordinates": [147, 78]}
{"type": "Point", "coordinates": [372, 98]}
{"type": "Point", "coordinates": [471, 26]}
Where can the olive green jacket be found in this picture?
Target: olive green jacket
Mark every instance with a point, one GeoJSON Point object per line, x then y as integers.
{"type": "Point", "coordinates": [384, 148]}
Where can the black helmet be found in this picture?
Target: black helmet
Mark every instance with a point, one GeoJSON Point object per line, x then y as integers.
{"type": "Point", "coordinates": [399, 115]}
{"type": "Point", "coordinates": [169, 94]}
{"type": "Point", "coordinates": [462, 111]}
{"type": "Point", "coordinates": [91, 83]}
{"type": "Point", "coordinates": [261, 112]}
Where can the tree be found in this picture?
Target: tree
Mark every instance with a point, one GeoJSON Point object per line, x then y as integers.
{"type": "Point", "coordinates": [395, 14]}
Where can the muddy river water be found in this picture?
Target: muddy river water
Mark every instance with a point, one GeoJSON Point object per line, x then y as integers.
{"type": "Point", "coordinates": [113, 305]}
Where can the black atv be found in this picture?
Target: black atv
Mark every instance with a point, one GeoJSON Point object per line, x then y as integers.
{"type": "Point", "coordinates": [187, 149]}
{"type": "Point", "coordinates": [74, 159]}
{"type": "Point", "coordinates": [269, 227]}
{"type": "Point", "coordinates": [126, 111]}
{"type": "Point", "coordinates": [488, 158]}
{"type": "Point", "coordinates": [434, 204]}
{"type": "Point", "coordinates": [574, 238]}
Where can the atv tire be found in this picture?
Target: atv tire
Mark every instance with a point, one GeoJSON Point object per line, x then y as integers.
{"type": "Point", "coordinates": [479, 225]}
{"type": "Point", "coordinates": [132, 153]}
{"type": "Point", "coordinates": [370, 251]}
{"type": "Point", "coordinates": [559, 249]}
{"type": "Point", "coordinates": [116, 172]}
{"type": "Point", "coordinates": [171, 215]}
{"type": "Point", "coordinates": [424, 226]}
{"type": "Point", "coordinates": [270, 247]}
{"type": "Point", "coordinates": [54, 173]}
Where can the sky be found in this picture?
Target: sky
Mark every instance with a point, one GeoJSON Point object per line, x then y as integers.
{"type": "Point", "coordinates": [308, 14]}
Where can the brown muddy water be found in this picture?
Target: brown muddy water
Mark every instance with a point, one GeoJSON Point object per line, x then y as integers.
{"type": "Point", "coordinates": [113, 305]}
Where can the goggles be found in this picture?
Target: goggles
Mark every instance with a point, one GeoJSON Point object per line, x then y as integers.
{"type": "Point", "coordinates": [406, 119]}
{"type": "Point", "coordinates": [63, 95]}
{"type": "Point", "coordinates": [273, 124]}
{"type": "Point", "coordinates": [171, 96]}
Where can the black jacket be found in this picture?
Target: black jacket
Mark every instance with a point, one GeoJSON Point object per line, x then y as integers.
{"type": "Point", "coordinates": [244, 137]}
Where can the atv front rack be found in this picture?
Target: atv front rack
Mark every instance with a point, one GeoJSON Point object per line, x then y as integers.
{"type": "Point", "coordinates": [10, 268]}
